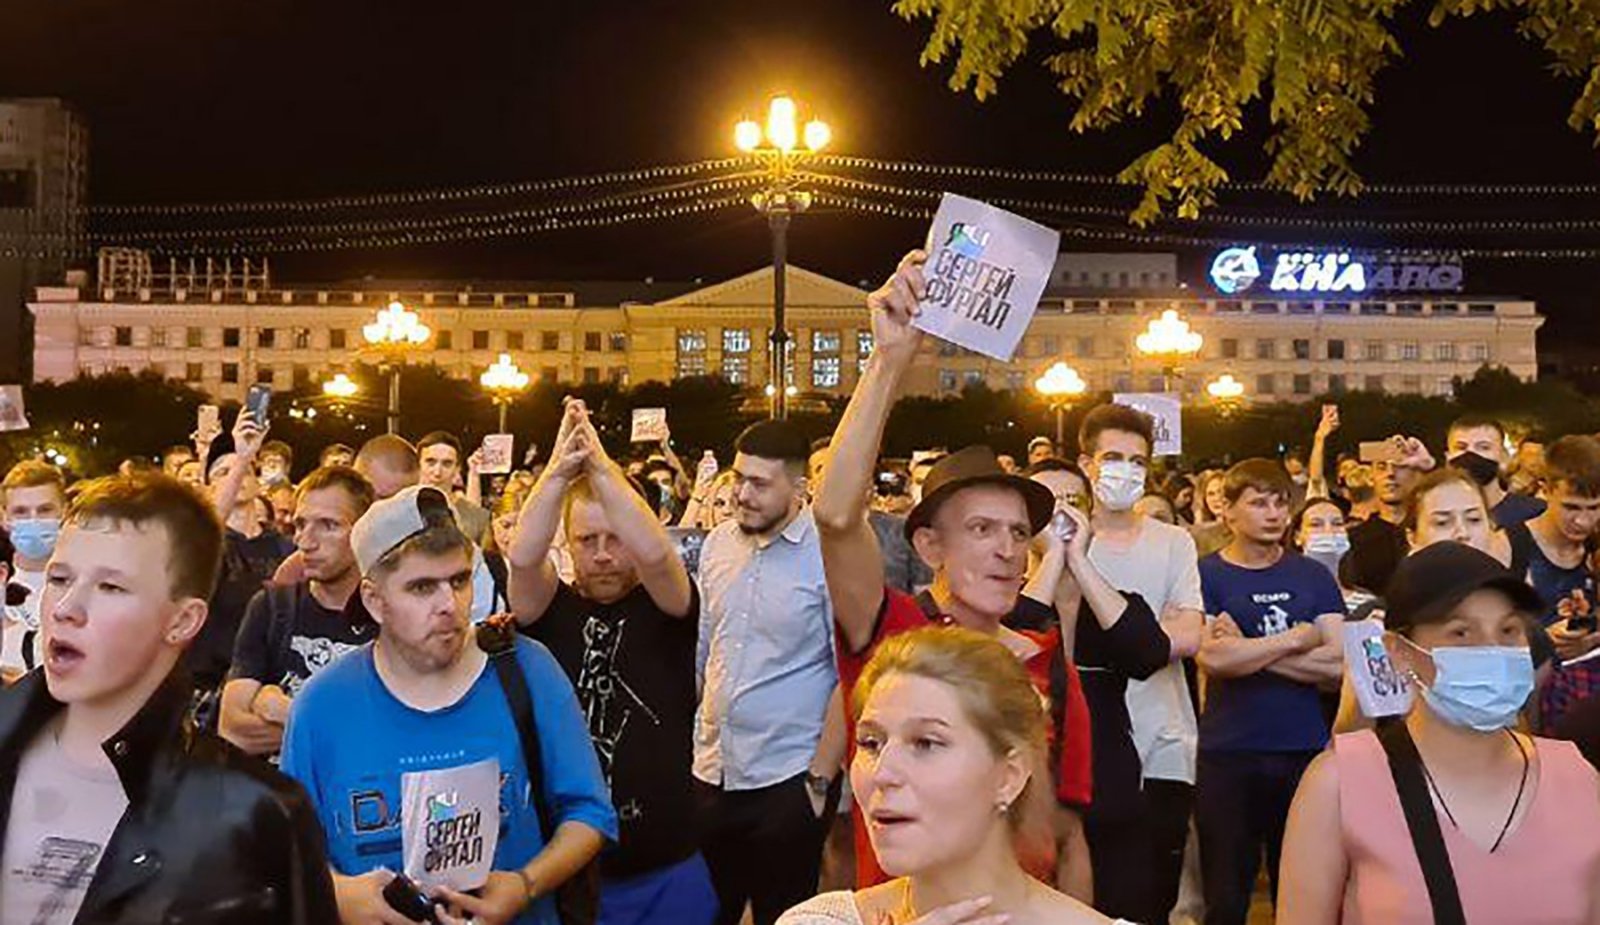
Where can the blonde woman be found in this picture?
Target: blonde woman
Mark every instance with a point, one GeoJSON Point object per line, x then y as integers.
{"type": "Point", "coordinates": [950, 771]}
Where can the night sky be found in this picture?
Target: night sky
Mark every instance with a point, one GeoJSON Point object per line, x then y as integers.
{"type": "Point", "coordinates": [196, 100]}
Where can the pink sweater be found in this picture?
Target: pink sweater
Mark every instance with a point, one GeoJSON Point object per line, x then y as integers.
{"type": "Point", "coordinates": [1545, 870]}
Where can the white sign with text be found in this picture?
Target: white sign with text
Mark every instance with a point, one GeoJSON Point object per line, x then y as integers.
{"type": "Point", "coordinates": [1166, 414]}
{"type": "Point", "coordinates": [649, 425]}
{"type": "Point", "coordinates": [13, 414]}
{"type": "Point", "coordinates": [496, 458]}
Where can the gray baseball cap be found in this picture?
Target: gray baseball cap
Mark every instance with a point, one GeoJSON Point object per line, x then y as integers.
{"type": "Point", "coordinates": [395, 519]}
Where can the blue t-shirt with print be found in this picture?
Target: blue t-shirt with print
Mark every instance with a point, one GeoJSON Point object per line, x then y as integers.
{"type": "Point", "coordinates": [349, 740]}
{"type": "Point", "coordinates": [1265, 711]}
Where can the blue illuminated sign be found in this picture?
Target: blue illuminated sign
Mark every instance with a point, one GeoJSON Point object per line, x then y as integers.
{"type": "Point", "coordinates": [1236, 269]}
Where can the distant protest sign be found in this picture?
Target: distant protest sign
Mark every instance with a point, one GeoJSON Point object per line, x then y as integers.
{"type": "Point", "coordinates": [986, 270]}
{"type": "Point", "coordinates": [1166, 413]}
{"type": "Point", "coordinates": [13, 414]}
{"type": "Point", "coordinates": [649, 425]}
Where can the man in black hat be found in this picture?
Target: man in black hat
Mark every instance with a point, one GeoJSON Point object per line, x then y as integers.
{"type": "Point", "coordinates": [973, 526]}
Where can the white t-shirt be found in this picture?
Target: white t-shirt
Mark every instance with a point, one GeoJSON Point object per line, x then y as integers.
{"type": "Point", "coordinates": [62, 817]}
{"type": "Point", "coordinates": [20, 620]}
{"type": "Point", "coordinates": [1160, 565]}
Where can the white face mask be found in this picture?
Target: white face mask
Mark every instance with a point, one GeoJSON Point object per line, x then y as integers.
{"type": "Point", "coordinates": [1119, 484]}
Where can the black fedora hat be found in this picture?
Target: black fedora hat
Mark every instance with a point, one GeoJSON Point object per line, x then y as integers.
{"type": "Point", "coordinates": [976, 465]}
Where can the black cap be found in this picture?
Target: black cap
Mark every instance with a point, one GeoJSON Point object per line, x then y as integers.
{"type": "Point", "coordinates": [1431, 581]}
{"type": "Point", "coordinates": [976, 465]}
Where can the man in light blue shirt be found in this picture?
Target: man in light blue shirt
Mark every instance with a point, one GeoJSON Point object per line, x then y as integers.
{"type": "Point", "coordinates": [767, 671]}
{"type": "Point", "coordinates": [410, 753]}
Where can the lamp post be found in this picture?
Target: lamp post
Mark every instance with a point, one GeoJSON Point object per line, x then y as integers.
{"type": "Point", "coordinates": [504, 381]}
{"type": "Point", "coordinates": [1168, 340]}
{"type": "Point", "coordinates": [1226, 391]}
{"type": "Point", "coordinates": [1060, 385]}
{"type": "Point", "coordinates": [395, 332]}
{"type": "Point", "coordinates": [781, 146]}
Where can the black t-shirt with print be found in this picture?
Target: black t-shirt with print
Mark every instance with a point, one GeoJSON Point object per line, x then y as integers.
{"type": "Point", "coordinates": [287, 636]}
{"type": "Point", "coordinates": [633, 669]}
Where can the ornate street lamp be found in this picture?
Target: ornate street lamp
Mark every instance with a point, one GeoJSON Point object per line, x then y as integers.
{"type": "Point", "coordinates": [1061, 386]}
{"type": "Point", "coordinates": [1227, 392]}
{"type": "Point", "coordinates": [504, 381]}
{"type": "Point", "coordinates": [781, 146]}
{"type": "Point", "coordinates": [1169, 341]}
{"type": "Point", "coordinates": [394, 333]}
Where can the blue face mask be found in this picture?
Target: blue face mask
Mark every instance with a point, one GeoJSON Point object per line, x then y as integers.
{"type": "Point", "coordinates": [35, 539]}
{"type": "Point", "coordinates": [1479, 687]}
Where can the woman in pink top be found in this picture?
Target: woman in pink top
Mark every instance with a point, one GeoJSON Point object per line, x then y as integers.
{"type": "Point", "coordinates": [1519, 815]}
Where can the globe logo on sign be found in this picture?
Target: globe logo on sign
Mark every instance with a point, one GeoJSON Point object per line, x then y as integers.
{"type": "Point", "coordinates": [1235, 269]}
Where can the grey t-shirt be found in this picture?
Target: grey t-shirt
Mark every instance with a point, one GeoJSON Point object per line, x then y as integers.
{"type": "Point", "coordinates": [62, 817]}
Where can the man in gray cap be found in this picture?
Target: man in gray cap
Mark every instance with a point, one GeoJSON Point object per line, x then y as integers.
{"type": "Point", "coordinates": [407, 743]}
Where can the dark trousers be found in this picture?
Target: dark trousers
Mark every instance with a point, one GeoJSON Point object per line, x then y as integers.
{"type": "Point", "coordinates": [1119, 854]}
{"type": "Point", "coordinates": [763, 846]}
{"type": "Point", "coordinates": [1241, 804]}
{"type": "Point", "coordinates": [1167, 805]}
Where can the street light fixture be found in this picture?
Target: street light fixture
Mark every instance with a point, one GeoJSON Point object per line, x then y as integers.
{"type": "Point", "coordinates": [781, 146]}
{"type": "Point", "coordinates": [340, 387]}
{"type": "Point", "coordinates": [395, 332]}
{"type": "Point", "coordinates": [504, 381]}
{"type": "Point", "coordinates": [1061, 386]}
{"type": "Point", "coordinates": [1168, 340]}
{"type": "Point", "coordinates": [1226, 391]}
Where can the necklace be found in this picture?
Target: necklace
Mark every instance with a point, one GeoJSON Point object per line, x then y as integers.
{"type": "Point", "coordinates": [1522, 786]}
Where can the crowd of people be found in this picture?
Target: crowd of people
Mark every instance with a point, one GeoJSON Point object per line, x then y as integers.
{"type": "Point", "coordinates": [807, 687]}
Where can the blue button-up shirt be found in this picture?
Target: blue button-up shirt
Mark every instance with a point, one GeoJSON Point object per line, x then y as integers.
{"type": "Point", "coordinates": [765, 659]}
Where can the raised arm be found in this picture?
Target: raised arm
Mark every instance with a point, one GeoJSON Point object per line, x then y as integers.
{"type": "Point", "coordinates": [247, 438]}
{"type": "Point", "coordinates": [1228, 653]}
{"type": "Point", "coordinates": [661, 570]}
{"type": "Point", "coordinates": [1317, 465]}
{"type": "Point", "coordinates": [532, 579]}
{"type": "Point", "coordinates": [850, 554]}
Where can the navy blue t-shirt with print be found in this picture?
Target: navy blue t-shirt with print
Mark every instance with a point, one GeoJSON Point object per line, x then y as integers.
{"type": "Point", "coordinates": [1265, 711]}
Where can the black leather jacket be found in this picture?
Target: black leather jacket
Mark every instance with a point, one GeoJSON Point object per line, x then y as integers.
{"type": "Point", "coordinates": [210, 835]}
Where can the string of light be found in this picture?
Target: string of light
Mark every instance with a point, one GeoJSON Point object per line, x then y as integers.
{"type": "Point", "coordinates": [427, 196]}
{"type": "Point", "coordinates": [376, 226]}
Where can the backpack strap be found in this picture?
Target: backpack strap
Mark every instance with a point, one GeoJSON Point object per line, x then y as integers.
{"type": "Point", "coordinates": [1405, 764]}
{"type": "Point", "coordinates": [499, 641]}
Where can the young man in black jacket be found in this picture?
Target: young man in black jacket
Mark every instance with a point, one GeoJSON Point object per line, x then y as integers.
{"type": "Point", "coordinates": [114, 808]}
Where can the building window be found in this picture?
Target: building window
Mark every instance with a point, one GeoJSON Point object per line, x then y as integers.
{"type": "Point", "coordinates": [158, 337]}
{"type": "Point", "coordinates": [863, 350]}
{"type": "Point", "coordinates": [1444, 387]}
{"type": "Point", "coordinates": [264, 375]}
{"type": "Point", "coordinates": [1266, 349]}
{"type": "Point", "coordinates": [824, 341]}
{"type": "Point", "coordinates": [549, 340]}
{"type": "Point", "coordinates": [550, 374]}
{"type": "Point", "coordinates": [1411, 385]}
{"type": "Point", "coordinates": [1446, 308]}
{"type": "Point", "coordinates": [1302, 348]}
{"type": "Point", "coordinates": [515, 340]}
{"type": "Point", "coordinates": [230, 337]}
{"type": "Point", "coordinates": [1375, 350]}
{"type": "Point", "coordinates": [302, 376]}
{"type": "Point", "coordinates": [444, 340]}
{"type": "Point", "coordinates": [194, 337]}
{"type": "Point", "coordinates": [1266, 384]}
{"type": "Point", "coordinates": [971, 377]}
{"type": "Point", "coordinates": [1374, 308]}
{"type": "Point", "coordinates": [1336, 384]}
{"type": "Point", "coordinates": [124, 336]}
{"type": "Point", "coordinates": [591, 375]}
{"type": "Point", "coordinates": [336, 339]}
{"type": "Point", "coordinates": [266, 338]}
{"type": "Point", "coordinates": [736, 340]}
{"type": "Point", "coordinates": [947, 349]}
{"type": "Point", "coordinates": [194, 372]}
{"type": "Point", "coordinates": [947, 380]}
{"type": "Point", "coordinates": [1372, 384]}
{"type": "Point", "coordinates": [1016, 381]}
{"type": "Point", "coordinates": [1123, 383]}
{"type": "Point", "coordinates": [619, 375]}
{"type": "Point", "coordinates": [1445, 352]}
{"type": "Point", "coordinates": [1410, 350]}
{"type": "Point", "coordinates": [1230, 348]}
{"type": "Point", "coordinates": [1408, 308]}
{"type": "Point", "coordinates": [591, 342]}
{"type": "Point", "coordinates": [1478, 352]}
{"type": "Point", "coordinates": [1335, 349]}
{"type": "Point", "coordinates": [825, 372]}
{"type": "Point", "coordinates": [619, 341]}
{"type": "Point", "coordinates": [302, 338]}
{"type": "Point", "coordinates": [1263, 308]}
{"type": "Point", "coordinates": [480, 340]}
{"type": "Point", "coordinates": [230, 372]}
{"type": "Point", "coordinates": [691, 352]}
{"type": "Point", "coordinates": [736, 368]}
{"type": "Point", "coordinates": [1302, 384]}
{"type": "Point", "coordinates": [1086, 347]}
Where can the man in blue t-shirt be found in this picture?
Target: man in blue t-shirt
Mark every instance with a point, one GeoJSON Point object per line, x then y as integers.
{"type": "Point", "coordinates": [1272, 641]}
{"type": "Point", "coordinates": [411, 756]}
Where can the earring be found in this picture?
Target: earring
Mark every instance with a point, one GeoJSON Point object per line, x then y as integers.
{"type": "Point", "coordinates": [1002, 808]}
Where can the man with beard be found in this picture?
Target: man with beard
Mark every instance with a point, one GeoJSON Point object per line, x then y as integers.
{"type": "Point", "coordinates": [766, 772]}
{"type": "Point", "coordinates": [410, 741]}
{"type": "Point", "coordinates": [290, 632]}
{"type": "Point", "coordinates": [624, 631]}
{"type": "Point", "coordinates": [1477, 446]}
